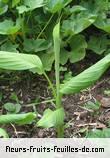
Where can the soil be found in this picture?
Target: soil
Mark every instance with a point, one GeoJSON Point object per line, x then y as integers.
{"type": "Point", "coordinates": [30, 88]}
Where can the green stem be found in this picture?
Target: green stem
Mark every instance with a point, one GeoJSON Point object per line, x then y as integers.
{"type": "Point", "coordinates": [22, 18]}
{"type": "Point", "coordinates": [51, 85]}
{"type": "Point", "coordinates": [57, 71]}
{"type": "Point", "coordinates": [45, 26]}
{"type": "Point", "coordinates": [56, 35]}
{"type": "Point", "coordinates": [60, 132]}
{"type": "Point", "coordinates": [57, 74]}
{"type": "Point", "coordinates": [43, 102]}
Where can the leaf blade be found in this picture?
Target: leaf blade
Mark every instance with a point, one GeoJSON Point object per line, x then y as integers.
{"type": "Point", "coordinates": [52, 118]}
{"type": "Point", "coordinates": [87, 77]}
{"type": "Point", "coordinates": [19, 119]}
{"type": "Point", "coordinates": [16, 61]}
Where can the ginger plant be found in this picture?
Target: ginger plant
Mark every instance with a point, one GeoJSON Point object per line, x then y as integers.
{"type": "Point", "coordinates": [20, 61]}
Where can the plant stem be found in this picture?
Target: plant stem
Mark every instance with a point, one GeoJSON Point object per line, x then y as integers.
{"type": "Point", "coordinates": [60, 132]}
{"type": "Point", "coordinates": [45, 26]}
{"type": "Point", "coordinates": [51, 85]}
{"type": "Point", "coordinates": [57, 70]}
{"type": "Point", "coordinates": [56, 35]}
{"type": "Point", "coordinates": [22, 18]}
{"type": "Point", "coordinates": [43, 102]}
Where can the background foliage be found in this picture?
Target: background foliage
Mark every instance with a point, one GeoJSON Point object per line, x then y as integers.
{"type": "Point", "coordinates": [26, 26]}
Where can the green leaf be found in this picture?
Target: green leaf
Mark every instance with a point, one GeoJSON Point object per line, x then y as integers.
{"type": "Point", "coordinates": [102, 5]}
{"type": "Point", "coordinates": [20, 119]}
{"type": "Point", "coordinates": [22, 8]}
{"type": "Point", "coordinates": [8, 27]}
{"type": "Point", "coordinates": [47, 60]}
{"type": "Point", "coordinates": [15, 2]}
{"type": "Point", "coordinates": [64, 56]}
{"type": "Point", "coordinates": [3, 133]}
{"type": "Point", "coordinates": [98, 44]}
{"type": "Point", "coordinates": [105, 133]}
{"type": "Point", "coordinates": [12, 108]}
{"type": "Point", "coordinates": [92, 106]}
{"type": "Point", "coordinates": [78, 22]}
{"type": "Point", "coordinates": [14, 97]}
{"type": "Point", "coordinates": [77, 8]}
{"type": "Point", "coordinates": [107, 92]}
{"type": "Point", "coordinates": [5, 1]}
{"type": "Point", "coordinates": [52, 118]}
{"type": "Point", "coordinates": [77, 51]}
{"type": "Point", "coordinates": [8, 46]}
{"type": "Point", "coordinates": [87, 77]}
{"type": "Point", "coordinates": [16, 61]}
{"type": "Point", "coordinates": [29, 5]}
{"type": "Point", "coordinates": [67, 76]}
{"type": "Point", "coordinates": [78, 46]}
{"type": "Point", "coordinates": [74, 9]}
{"type": "Point", "coordinates": [3, 8]}
{"type": "Point", "coordinates": [56, 5]}
{"type": "Point", "coordinates": [103, 23]}
{"type": "Point", "coordinates": [9, 107]}
{"type": "Point", "coordinates": [33, 4]}
{"type": "Point", "coordinates": [31, 45]}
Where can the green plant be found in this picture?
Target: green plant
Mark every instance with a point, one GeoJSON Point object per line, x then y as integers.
{"type": "Point", "coordinates": [27, 26]}
{"type": "Point", "coordinates": [96, 133]}
{"type": "Point", "coordinates": [15, 61]}
{"type": "Point", "coordinates": [3, 133]}
{"type": "Point", "coordinates": [12, 108]}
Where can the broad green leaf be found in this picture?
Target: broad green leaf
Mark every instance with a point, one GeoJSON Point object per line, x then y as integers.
{"type": "Point", "coordinates": [8, 27]}
{"type": "Point", "coordinates": [78, 46]}
{"type": "Point", "coordinates": [16, 61]}
{"type": "Point", "coordinates": [15, 2]}
{"type": "Point", "coordinates": [3, 8]}
{"type": "Point", "coordinates": [9, 107]}
{"type": "Point", "coordinates": [56, 5]}
{"type": "Point", "coordinates": [64, 56]}
{"type": "Point", "coordinates": [29, 5]}
{"type": "Point", "coordinates": [22, 8]}
{"type": "Point", "coordinates": [8, 46]}
{"type": "Point", "coordinates": [105, 133]}
{"type": "Point", "coordinates": [77, 51]}
{"type": "Point", "coordinates": [103, 23]}
{"type": "Point", "coordinates": [98, 44]}
{"type": "Point", "coordinates": [52, 118]}
{"type": "Point", "coordinates": [77, 23]}
{"type": "Point", "coordinates": [33, 4]}
{"type": "Point", "coordinates": [75, 9]}
{"type": "Point", "coordinates": [5, 1]}
{"type": "Point", "coordinates": [47, 60]}
{"type": "Point", "coordinates": [99, 6]}
{"type": "Point", "coordinates": [102, 5]}
{"type": "Point", "coordinates": [31, 45]}
{"type": "Point", "coordinates": [12, 108]}
{"type": "Point", "coordinates": [67, 76]}
{"type": "Point", "coordinates": [87, 77]}
{"type": "Point", "coordinates": [92, 106]}
{"type": "Point", "coordinates": [20, 119]}
{"type": "Point", "coordinates": [3, 133]}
